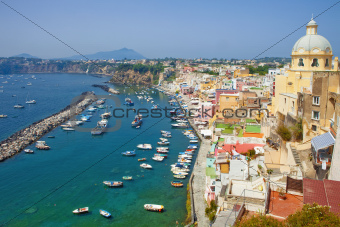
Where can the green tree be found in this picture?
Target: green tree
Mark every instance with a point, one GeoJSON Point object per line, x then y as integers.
{"type": "Point", "coordinates": [259, 221]}
{"type": "Point", "coordinates": [284, 132]}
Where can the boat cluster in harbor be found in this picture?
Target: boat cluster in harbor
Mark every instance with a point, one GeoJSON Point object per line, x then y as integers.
{"type": "Point", "coordinates": [21, 139]}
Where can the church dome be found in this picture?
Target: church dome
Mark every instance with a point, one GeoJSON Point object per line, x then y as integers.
{"type": "Point", "coordinates": [309, 42]}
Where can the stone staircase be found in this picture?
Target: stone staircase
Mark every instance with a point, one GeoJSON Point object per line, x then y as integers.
{"type": "Point", "coordinates": [296, 156]}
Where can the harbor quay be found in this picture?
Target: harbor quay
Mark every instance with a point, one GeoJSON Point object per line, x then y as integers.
{"type": "Point", "coordinates": [21, 139]}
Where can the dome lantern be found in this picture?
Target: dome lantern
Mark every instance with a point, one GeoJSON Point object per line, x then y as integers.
{"type": "Point", "coordinates": [311, 28]}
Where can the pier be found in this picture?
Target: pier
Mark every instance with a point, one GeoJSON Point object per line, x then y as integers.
{"type": "Point", "coordinates": [106, 88]}
{"type": "Point", "coordinates": [27, 136]}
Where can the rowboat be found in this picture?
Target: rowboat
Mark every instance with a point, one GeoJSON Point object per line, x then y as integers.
{"type": "Point", "coordinates": [81, 210]}
{"type": "Point", "coordinates": [163, 143]}
{"type": "Point", "coordinates": [141, 159]}
{"type": "Point", "coordinates": [105, 213]}
{"type": "Point", "coordinates": [177, 184]}
{"type": "Point", "coordinates": [127, 177]}
{"type": "Point", "coordinates": [166, 135]}
{"type": "Point", "coordinates": [193, 141]}
{"type": "Point", "coordinates": [145, 166]}
{"type": "Point", "coordinates": [153, 207]}
{"type": "Point", "coordinates": [179, 176]}
{"type": "Point", "coordinates": [113, 183]}
{"type": "Point", "coordinates": [163, 139]}
{"type": "Point", "coordinates": [180, 173]}
{"type": "Point", "coordinates": [165, 132]}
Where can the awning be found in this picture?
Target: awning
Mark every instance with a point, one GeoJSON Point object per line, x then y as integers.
{"type": "Point", "coordinates": [323, 141]}
{"type": "Point", "coordinates": [206, 133]}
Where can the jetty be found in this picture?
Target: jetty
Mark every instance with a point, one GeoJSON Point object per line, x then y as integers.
{"type": "Point", "coordinates": [27, 136]}
{"type": "Point", "coordinates": [106, 88]}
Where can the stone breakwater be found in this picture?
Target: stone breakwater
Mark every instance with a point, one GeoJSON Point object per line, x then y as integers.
{"type": "Point", "coordinates": [106, 88]}
{"type": "Point", "coordinates": [21, 139]}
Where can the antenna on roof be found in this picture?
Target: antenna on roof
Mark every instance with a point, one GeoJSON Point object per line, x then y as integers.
{"type": "Point", "coordinates": [312, 16]}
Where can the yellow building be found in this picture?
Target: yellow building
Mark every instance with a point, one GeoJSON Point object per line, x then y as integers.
{"type": "Point", "coordinates": [228, 101]}
{"type": "Point", "coordinates": [242, 73]}
{"type": "Point", "coordinates": [311, 54]}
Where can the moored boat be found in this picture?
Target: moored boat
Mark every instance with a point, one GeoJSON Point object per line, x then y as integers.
{"type": "Point", "coordinates": [179, 176]}
{"type": "Point", "coordinates": [19, 106]}
{"type": "Point", "coordinates": [154, 207]}
{"type": "Point", "coordinates": [141, 159]}
{"type": "Point", "coordinates": [177, 183]}
{"type": "Point", "coordinates": [105, 213]}
{"type": "Point", "coordinates": [163, 143]}
{"type": "Point", "coordinates": [137, 121]}
{"type": "Point", "coordinates": [129, 153]}
{"type": "Point", "coordinates": [81, 210]}
{"type": "Point", "coordinates": [144, 146]}
{"type": "Point", "coordinates": [127, 177]}
{"type": "Point", "coordinates": [29, 151]}
{"type": "Point", "coordinates": [41, 145]}
{"type": "Point", "coordinates": [193, 141]}
{"type": "Point", "coordinates": [161, 155]}
{"type": "Point", "coordinates": [180, 173]}
{"type": "Point", "coordinates": [145, 166]}
{"type": "Point", "coordinates": [158, 158]}
{"type": "Point", "coordinates": [113, 183]}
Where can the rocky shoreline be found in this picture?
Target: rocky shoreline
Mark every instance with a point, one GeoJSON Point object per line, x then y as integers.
{"type": "Point", "coordinates": [106, 88]}
{"type": "Point", "coordinates": [27, 136]}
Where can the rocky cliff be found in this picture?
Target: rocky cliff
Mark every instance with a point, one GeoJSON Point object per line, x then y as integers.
{"type": "Point", "coordinates": [132, 77]}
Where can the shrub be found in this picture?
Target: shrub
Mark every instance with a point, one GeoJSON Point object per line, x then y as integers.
{"type": "Point", "coordinates": [259, 221]}
{"type": "Point", "coordinates": [284, 132]}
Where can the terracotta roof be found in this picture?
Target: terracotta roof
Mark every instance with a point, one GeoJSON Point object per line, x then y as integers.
{"type": "Point", "coordinates": [240, 148]}
{"type": "Point", "coordinates": [325, 193]}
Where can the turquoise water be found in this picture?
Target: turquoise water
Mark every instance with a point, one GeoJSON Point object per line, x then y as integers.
{"type": "Point", "coordinates": [53, 183]}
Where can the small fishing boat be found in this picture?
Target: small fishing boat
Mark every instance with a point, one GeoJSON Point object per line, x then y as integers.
{"type": "Point", "coordinates": [145, 166]}
{"type": "Point", "coordinates": [127, 177]}
{"type": "Point", "coordinates": [81, 210]}
{"type": "Point", "coordinates": [162, 151]}
{"type": "Point", "coordinates": [41, 145]}
{"type": "Point", "coordinates": [19, 106]}
{"type": "Point", "coordinates": [162, 148]}
{"type": "Point", "coordinates": [105, 213]}
{"type": "Point", "coordinates": [113, 183]}
{"type": "Point", "coordinates": [179, 176]}
{"type": "Point", "coordinates": [144, 146]}
{"type": "Point", "coordinates": [158, 158]}
{"type": "Point", "coordinates": [163, 143]}
{"type": "Point", "coordinates": [166, 135]}
{"type": "Point", "coordinates": [192, 147]}
{"type": "Point", "coordinates": [154, 207]}
{"type": "Point", "coordinates": [98, 130]}
{"type": "Point", "coordinates": [129, 153]}
{"type": "Point", "coordinates": [165, 132]}
{"type": "Point", "coordinates": [161, 155]}
{"type": "Point", "coordinates": [180, 173]}
{"type": "Point", "coordinates": [68, 129]}
{"type": "Point", "coordinates": [193, 141]}
{"type": "Point", "coordinates": [177, 184]}
{"type": "Point", "coordinates": [138, 126]}
{"type": "Point", "coordinates": [29, 151]}
{"type": "Point", "coordinates": [91, 109]}
{"type": "Point", "coordinates": [50, 136]}
{"type": "Point", "coordinates": [180, 125]}
{"type": "Point", "coordinates": [3, 116]}
{"type": "Point", "coordinates": [141, 159]}
{"type": "Point", "coordinates": [163, 139]}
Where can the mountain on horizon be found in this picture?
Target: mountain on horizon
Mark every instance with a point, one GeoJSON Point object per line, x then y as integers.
{"type": "Point", "coordinates": [107, 55]}
{"type": "Point", "coordinates": [24, 55]}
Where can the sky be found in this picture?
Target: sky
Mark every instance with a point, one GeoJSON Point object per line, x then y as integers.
{"type": "Point", "coordinates": [158, 28]}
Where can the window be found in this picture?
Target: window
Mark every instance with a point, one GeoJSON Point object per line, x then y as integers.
{"type": "Point", "coordinates": [285, 100]}
{"type": "Point", "coordinates": [315, 115]}
{"type": "Point", "coordinates": [327, 63]}
{"type": "Point", "coordinates": [227, 98]}
{"type": "Point", "coordinates": [293, 104]}
{"type": "Point", "coordinates": [301, 62]}
{"type": "Point", "coordinates": [315, 62]}
{"type": "Point", "coordinates": [314, 128]}
{"type": "Point", "coordinates": [316, 100]}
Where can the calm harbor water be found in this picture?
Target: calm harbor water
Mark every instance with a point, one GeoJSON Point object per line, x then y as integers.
{"type": "Point", "coordinates": [70, 174]}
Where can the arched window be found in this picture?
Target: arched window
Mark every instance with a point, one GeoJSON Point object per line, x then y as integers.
{"type": "Point", "coordinates": [315, 62]}
{"type": "Point", "coordinates": [301, 62]}
{"type": "Point", "coordinates": [327, 63]}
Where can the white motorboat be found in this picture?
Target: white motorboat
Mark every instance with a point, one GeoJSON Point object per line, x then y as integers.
{"type": "Point", "coordinates": [158, 158]}
{"type": "Point", "coordinates": [153, 207]}
{"type": "Point", "coordinates": [163, 139]}
{"type": "Point", "coordinates": [19, 106]}
{"type": "Point", "coordinates": [180, 173]}
{"type": "Point", "coordinates": [162, 148]}
{"type": "Point", "coordinates": [103, 123]}
{"type": "Point", "coordinates": [193, 141]}
{"type": "Point", "coordinates": [185, 156]}
{"type": "Point", "coordinates": [81, 210]}
{"type": "Point", "coordinates": [29, 151]}
{"type": "Point", "coordinates": [68, 129]}
{"type": "Point", "coordinates": [145, 166]}
{"type": "Point", "coordinates": [163, 143]}
{"type": "Point", "coordinates": [144, 146]}
{"type": "Point", "coordinates": [180, 125]}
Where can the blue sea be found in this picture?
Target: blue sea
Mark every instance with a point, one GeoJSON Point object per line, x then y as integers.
{"type": "Point", "coordinates": [42, 189]}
